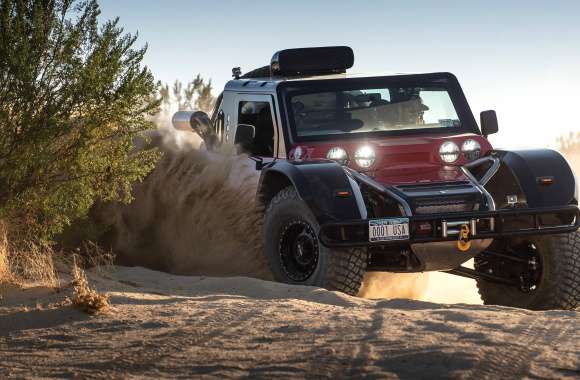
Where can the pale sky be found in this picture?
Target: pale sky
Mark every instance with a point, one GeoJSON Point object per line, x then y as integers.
{"type": "Point", "coordinates": [521, 58]}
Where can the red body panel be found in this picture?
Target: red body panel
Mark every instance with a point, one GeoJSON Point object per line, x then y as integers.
{"type": "Point", "coordinates": [401, 159]}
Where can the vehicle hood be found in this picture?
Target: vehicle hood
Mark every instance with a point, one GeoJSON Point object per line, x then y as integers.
{"type": "Point", "coordinates": [401, 159]}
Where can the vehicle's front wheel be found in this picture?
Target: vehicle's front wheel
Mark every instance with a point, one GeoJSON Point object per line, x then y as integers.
{"type": "Point", "coordinates": [296, 256]}
{"type": "Point", "coordinates": [546, 267]}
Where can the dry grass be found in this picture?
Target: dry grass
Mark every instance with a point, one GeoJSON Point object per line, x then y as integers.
{"type": "Point", "coordinates": [84, 297]}
{"type": "Point", "coordinates": [96, 257]}
{"type": "Point", "coordinates": [34, 264]}
{"type": "Point", "coordinates": [5, 273]}
{"type": "Point", "coordinates": [26, 263]}
{"type": "Point", "coordinates": [90, 255]}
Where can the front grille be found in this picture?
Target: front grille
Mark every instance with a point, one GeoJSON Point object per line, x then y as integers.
{"type": "Point", "coordinates": [435, 198]}
{"type": "Point", "coordinates": [435, 187]}
{"type": "Point", "coordinates": [432, 206]}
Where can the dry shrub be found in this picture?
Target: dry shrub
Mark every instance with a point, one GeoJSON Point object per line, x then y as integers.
{"type": "Point", "coordinates": [96, 257]}
{"type": "Point", "coordinates": [84, 297]}
{"type": "Point", "coordinates": [90, 256]}
{"type": "Point", "coordinates": [34, 263]}
{"type": "Point", "coordinates": [29, 263]}
{"type": "Point", "coordinates": [26, 262]}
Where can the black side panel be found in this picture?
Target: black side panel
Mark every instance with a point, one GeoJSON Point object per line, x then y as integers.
{"type": "Point", "coordinates": [317, 183]}
{"type": "Point", "coordinates": [531, 167]}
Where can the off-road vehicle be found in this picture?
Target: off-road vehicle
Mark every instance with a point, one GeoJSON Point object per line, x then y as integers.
{"type": "Point", "coordinates": [392, 173]}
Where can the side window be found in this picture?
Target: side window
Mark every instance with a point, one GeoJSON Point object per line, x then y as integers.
{"type": "Point", "coordinates": [259, 115]}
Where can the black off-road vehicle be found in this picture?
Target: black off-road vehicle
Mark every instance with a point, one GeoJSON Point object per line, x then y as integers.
{"type": "Point", "coordinates": [392, 173]}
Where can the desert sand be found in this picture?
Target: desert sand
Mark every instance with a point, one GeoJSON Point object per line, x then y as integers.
{"type": "Point", "coordinates": [163, 325]}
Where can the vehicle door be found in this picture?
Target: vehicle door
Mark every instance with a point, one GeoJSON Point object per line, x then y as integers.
{"type": "Point", "coordinates": [255, 120]}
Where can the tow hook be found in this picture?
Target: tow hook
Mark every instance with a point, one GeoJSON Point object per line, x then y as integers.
{"type": "Point", "coordinates": [463, 244]}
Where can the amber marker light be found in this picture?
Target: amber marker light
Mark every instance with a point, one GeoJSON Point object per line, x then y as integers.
{"type": "Point", "coordinates": [546, 181]}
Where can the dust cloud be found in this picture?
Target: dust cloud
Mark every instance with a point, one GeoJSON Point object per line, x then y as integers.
{"type": "Point", "coordinates": [574, 160]}
{"type": "Point", "coordinates": [194, 214]}
{"type": "Point", "coordinates": [394, 285]}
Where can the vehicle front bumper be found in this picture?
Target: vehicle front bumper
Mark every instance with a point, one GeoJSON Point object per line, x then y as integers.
{"type": "Point", "coordinates": [483, 225]}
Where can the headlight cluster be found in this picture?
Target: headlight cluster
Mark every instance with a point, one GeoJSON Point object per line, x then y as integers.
{"type": "Point", "coordinates": [338, 154]}
{"type": "Point", "coordinates": [471, 149]}
{"type": "Point", "coordinates": [450, 152]}
{"type": "Point", "coordinates": [364, 156]}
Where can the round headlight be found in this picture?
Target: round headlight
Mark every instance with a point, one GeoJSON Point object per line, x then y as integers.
{"type": "Point", "coordinates": [449, 152]}
{"type": "Point", "coordinates": [337, 154]}
{"type": "Point", "coordinates": [364, 156]}
{"type": "Point", "coordinates": [471, 149]}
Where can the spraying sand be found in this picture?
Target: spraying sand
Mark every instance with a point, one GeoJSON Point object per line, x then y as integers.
{"type": "Point", "coordinates": [194, 214]}
{"type": "Point", "coordinates": [394, 285]}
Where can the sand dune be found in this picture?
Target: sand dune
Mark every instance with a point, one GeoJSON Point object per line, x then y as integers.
{"type": "Point", "coordinates": [178, 326]}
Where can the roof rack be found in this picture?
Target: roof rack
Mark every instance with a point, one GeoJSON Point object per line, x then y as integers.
{"type": "Point", "coordinates": [303, 62]}
{"type": "Point", "coordinates": [312, 61]}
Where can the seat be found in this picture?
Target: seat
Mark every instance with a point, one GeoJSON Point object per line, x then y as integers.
{"type": "Point", "coordinates": [264, 139]}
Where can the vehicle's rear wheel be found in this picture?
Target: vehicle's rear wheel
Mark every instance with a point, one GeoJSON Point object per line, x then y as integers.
{"type": "Point", "coordinates": [546, 267]}
{"type": "Point", "coordinates": [296, 256]}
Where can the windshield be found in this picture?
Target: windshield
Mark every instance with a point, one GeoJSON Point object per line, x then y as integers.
{"type": "Point", "coordinates": [363, 110]}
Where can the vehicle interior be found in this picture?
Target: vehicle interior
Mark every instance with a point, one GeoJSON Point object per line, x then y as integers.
{"type": "Point", "coordinates": [370, 110]}
{"type": "Point", "coordinates": [259, 115]}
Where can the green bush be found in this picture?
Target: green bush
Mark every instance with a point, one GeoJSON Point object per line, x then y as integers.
{"type": "Point", "coordinates": [73, 95]}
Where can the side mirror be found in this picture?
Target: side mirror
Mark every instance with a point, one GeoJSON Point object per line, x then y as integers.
{"type": "Point", "coordinates": [245, 134]}
{"type": "Point", "coordinates": [488, 120]}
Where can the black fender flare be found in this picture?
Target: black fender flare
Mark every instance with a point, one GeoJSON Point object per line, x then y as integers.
{"type": "Point", "coordinates": [318, 184]}
{"type": "Point", "coordinates": [543, 175]}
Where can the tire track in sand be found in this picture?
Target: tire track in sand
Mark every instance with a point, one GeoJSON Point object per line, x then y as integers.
{"type": "Point", "coordinates": [512, 361]}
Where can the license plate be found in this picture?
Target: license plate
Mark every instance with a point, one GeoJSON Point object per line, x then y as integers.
{"type": "Point", "coordinates": [388, 229]}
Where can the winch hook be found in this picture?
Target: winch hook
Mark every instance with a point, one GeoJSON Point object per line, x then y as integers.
{"type": "Point", "coordinates": [463, 244]}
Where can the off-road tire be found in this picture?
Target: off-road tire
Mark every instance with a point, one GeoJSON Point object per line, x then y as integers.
{"type": "Point", "coordinates": [336, 269]}
{"type": "Point", "coordinates": [559, 285]}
